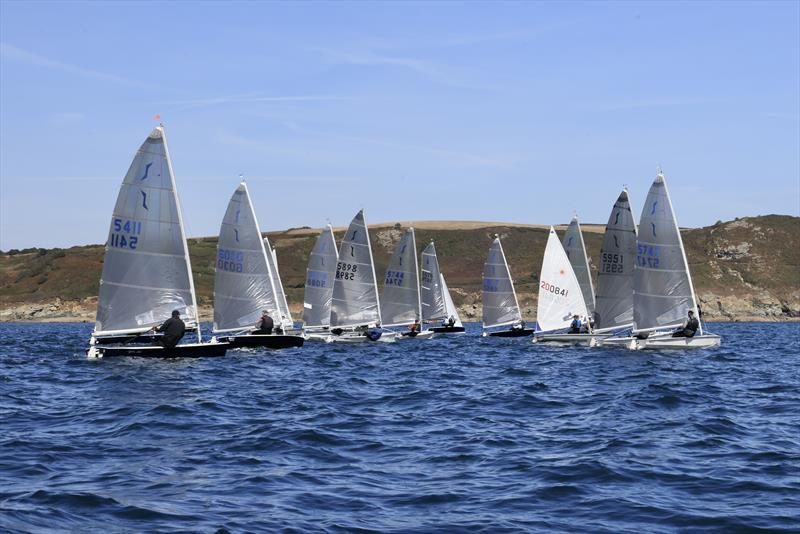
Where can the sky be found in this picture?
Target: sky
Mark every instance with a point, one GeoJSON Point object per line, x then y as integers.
{"type": "Point", "coordinates": [515, 112]}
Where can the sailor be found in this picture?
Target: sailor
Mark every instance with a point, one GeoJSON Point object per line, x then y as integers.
{"type": "Point", "coordinates": [265, 324]}
{"type": "Point", "coordinates": [585, 325]}
{"type": "Point", "coordinates": [575, 325]}
{"type": "Point", "coordinates": [690, 326]}
{"type": "Point", "coordinates": [173, 329]}
{"type": "Point", "coordinates": [450, 321]}
{"type": "Point", "coordinates": [518, 326]}
{"type": "Point", "coordinates": [375, 333]}
{"type": "Point", "coordinates": [414, 327]}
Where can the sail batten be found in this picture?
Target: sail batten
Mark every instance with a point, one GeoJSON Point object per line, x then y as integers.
{"type": "Point", "coordinates": [663, 291]}
{"type": "Point", "coordinates": [146, 269]}
{"type": "Point", "coordinates": [560, 294]}
{"type": "Point", "coordinates": [243, 279]}
{"type": "Point", "coordinates": [614, 298]}
{"type": "Point", "coordinates": [500, 305]}
{"type": "Point", "coordinates": [355, 300]}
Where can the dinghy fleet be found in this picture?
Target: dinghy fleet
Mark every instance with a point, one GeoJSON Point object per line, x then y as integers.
{"type": "Point", "coordinates": [644, 288]}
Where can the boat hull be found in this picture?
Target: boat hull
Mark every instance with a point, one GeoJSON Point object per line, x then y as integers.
{"type": "Point", "coordinates": [570, 339]}
{"type": "Point", "coordinates": [189, 350]}
{"type": "Point", "coordinates": [448, 329]}
{"type": "Point", "coordinates": [146, 338]}
{"type": "Point", "coordinates": [514, 332]}
{"type": "Point", "coordinates": [270, 341]}
{"type": "Point", "coordinates": [425, 334]}
{"type": "Point", "coordinates": [664, 342]}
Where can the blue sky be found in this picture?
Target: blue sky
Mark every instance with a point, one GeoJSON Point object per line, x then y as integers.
{"type": "Point", "coordinates": [519, 112]}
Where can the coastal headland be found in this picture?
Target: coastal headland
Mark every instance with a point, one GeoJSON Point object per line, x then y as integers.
{"type": "Point", "coordinates": [747, 269]}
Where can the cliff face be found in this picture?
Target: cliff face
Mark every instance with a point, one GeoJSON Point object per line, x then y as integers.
{"type": "Point", "coordinates": [747, 269]}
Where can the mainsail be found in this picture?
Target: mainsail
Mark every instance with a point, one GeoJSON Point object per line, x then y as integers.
{"type": "Point", "coordinates": [614, 304]}
{"type": "Point", "coordinates": [243, 285]}
{"type": "Point", "coordinates": [451, 309]}
{"type": "Point", "coordinates": [663, 291]}
{"type": "Point", "coordinates": [400, 302]}
{"type": "Point", "coordinates": [576, 252]}
{"type": "Point", "coordinates": [500, 306]}
{"type": "Point", "coordinates": [319, 281]}
{"type": "Point", "coordinates": [355, 295]}
{"type": "Point", "coordinates": [146, 270]}
{"type": "Point", "coordinates": [286, 320]}
{"type": "Point", "coordinates": [431, 290]}
{"type": "Point", "coordinates": [560, 295]}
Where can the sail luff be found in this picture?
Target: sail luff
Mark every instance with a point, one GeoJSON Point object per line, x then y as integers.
{"type": "Point", "coordinates": [183, 235]}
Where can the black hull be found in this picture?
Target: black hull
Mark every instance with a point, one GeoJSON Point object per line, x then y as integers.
{"type": "Point", "coordinates": [264, 340]}
{"type": "Point", "coordinates": [193, 350]}
{"type": "Point", "coordinates": [146, 338]}
{"type": "Point", "coordinates": [515, 332]}
{"type": "Point", "coordinates": [448, 329]}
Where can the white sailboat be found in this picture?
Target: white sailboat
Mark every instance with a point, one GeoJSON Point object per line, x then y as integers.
{"type": "Point", "coordinates": [320, 275]}
{"type": "Point", "coordinates": [576, 252]}
{"type": "Point", "coordinates": [401, 304]}
{"type": "Point", "coordinates": [560, 297]}
{"type": "Point", "coordinates": [244, 282]}
{"type": "Point", "coordinates": [437, 304]}
{"type": "Point", "coordinates": [662, 286]}
{"type": "Point", "coordinates": [286, 321]}
{"type": "Point", "coordinates": [614, 299]}
{"type": "Point", "coordinates": [355, 305]}
{"type": "Point", "coordinates": [146, 270]}
{"type": "Point", "coordinates": [500, 305]}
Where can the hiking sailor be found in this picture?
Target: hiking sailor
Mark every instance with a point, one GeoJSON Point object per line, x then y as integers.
{"type": "Point", "coordinates": [173, 329]}
{"type": "Point", "coordinates": [575, 325]}
{"type": "Point", "coordinates": [265, 324]}
{"type": "Point", "coordinates": [689, 328]}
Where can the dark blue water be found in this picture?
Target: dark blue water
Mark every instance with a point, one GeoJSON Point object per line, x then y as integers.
{"type": "Point", "coordinates": [456, 434]}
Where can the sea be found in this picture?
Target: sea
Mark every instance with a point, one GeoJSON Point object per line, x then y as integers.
{"type": "Point", "coordinates": [452, 434]}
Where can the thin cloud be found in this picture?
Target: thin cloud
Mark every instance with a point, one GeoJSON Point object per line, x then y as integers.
{"type": "Point", "coordinates": [13, 53]}
{"type": "Point", "coordinates": [248, 98]}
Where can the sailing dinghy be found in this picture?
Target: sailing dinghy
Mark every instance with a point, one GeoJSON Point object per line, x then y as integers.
{"type": "Point", "coordinates": [662, 286]}
{"type": "Point", "coordinates": [613, 311]}
{"type": "Point", "coordinates": [560, 297]}
{"type": "Point", "coordinates": [500, 305]}
{"type": "Point", "coordinates": [320, 275]}
{"type": "Point", "coordinates": [355, 306]}
{"type": "Point", "coordinates": [146, 269]}
{"type": "Point", "coordinates": [576, 252]}
{"type": "Point", "coordinates": [437, 304]}
{"type": "Point", "coordinates": [244, 283]}
{"type": "Point", "coordinates": [401, 304]}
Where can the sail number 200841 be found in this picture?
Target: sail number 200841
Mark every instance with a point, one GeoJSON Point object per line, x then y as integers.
{"type": "Point", "coordinates": [125, 234]}
{"type": "Point", "coordinates": [547, 286]}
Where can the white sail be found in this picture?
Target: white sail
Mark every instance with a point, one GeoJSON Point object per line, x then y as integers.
{"type": "Point", "coordinates": [451, 309]}
{"type": "Point", "coordinates": [243, 285]}
{"type": "Point", "coordinates": [286, 320]}
{"type": "Point", "coordinates": [400, 301]}
{"type": "Point", "coordinates": [576, 252]}
{"type": "Point", "coordinates": [355, 294]}
{"type": "Point", "coordinates": [560, 295]}
{"type": "Point", "coordinates": [146, 269]}
{"type": "Point", "coordinates": [614, 302]}
{"type": "Point", "coordinates": [319, 281]}
{"type": "Point", "coordinates": [663, 291]}
{"type": "Point", "coordinates": [500, 306]}
{"type": "Point", "coordinates": [434, 307]}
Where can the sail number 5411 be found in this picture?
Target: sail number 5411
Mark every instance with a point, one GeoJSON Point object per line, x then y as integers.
{"type": "Point", "coordinates": [125, 234]}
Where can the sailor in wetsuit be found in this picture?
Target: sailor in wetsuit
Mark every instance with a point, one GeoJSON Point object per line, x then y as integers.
{"type": "Point", "coordinates": [173, 329]}
{"type": "Point", "coordinates": [575, 325]}
{"type": "Point", "coordinates": [265, 324]}
{"type": "Point", "coordinates": [690, 326]}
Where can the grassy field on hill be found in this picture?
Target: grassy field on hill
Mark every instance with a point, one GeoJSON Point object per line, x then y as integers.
{"type": "Point", "coordinates": [743, 269]}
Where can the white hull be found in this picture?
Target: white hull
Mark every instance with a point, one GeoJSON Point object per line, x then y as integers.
{"type": "Point", "coordinates": [664, 342]}
{"type": "Point", "coordinates": [570, 339]}
{"type": "Point", "coordinates": [357, 337]}
{"type": "Point", "coordinates": [322, 337]}
{"type": "Point", "coordinates": [425, 334]}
